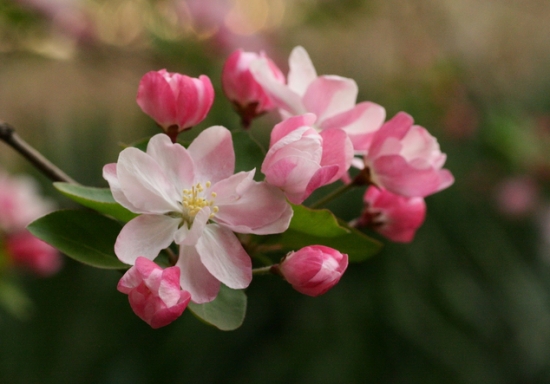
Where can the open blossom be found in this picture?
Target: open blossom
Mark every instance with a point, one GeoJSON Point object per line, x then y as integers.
{"type": "Point", "coordinates": [393, 216]}
{"type": "Point", "coordinates": [176, 102]}
{"type": "Point", "coordinates": [332, 98]}
{"type": "Point", "coordinates": [405, 159]}
{"type": "Point", "coordinates": [301, 160]}
{"type": "Point", "coordinates": [154, 293]}
{"type": "Point", "coordinates": [192, 197]}
{"type": "Point", "coordinates": [242, 89]}
{"type": "Point", "coordinates": [313, 270]}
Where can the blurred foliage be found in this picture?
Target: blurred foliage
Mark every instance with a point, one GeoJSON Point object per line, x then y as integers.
{"type": "Point", "coordinates": [467, 302]}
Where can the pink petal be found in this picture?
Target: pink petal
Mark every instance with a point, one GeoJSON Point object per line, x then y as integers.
{"type": "Point", "coordinates": [359, 123]}
{"type": "Point", "coordinates": [328, 96]}
{"type": "Point", "coordinates": [156, 98]}
{"type": "Point", "coordinates": [224, 257]}
{"type": "Point", "coordinates": [337, 150]}
{"type": "Point", "coordinates": [213, 154]}
{"type": "Point", "coordinates": [173, 159]}
{"type": "Point", "coordinates": [260, 209]}
{"type": "Point", "coordinates": [301, 72]}
{"type": "Point", "coordinates": [398, 176]}
{"type": "Point", "coordinates": [195, 278]}
{"type": "Point", "coordinates": [396, 128]}
{"type": "Point", "coordinates": [289, 125]}
{"type": "Point", "coordinates": [195, 97]}
{"type": "Point", "coordinates": [144, 183]}
{"type": "Point", "coordinates": [281, 95]}
{"type": "Point", "coordinates": [146, 236]}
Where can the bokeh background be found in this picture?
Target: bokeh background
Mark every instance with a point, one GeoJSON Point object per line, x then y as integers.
{"type": "Point", "coordinates": [468, 301]}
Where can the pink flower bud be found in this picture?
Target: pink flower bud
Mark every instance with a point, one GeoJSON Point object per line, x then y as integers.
{"type": "Point", "coordinates": [405, 159]}
{"type": "Point", "coordinates": [393, 216]}
{"type": "Point", "coordinates": [301, 160]}
{"type": "Point", "coordinates": [176, 102]}
{"type": "Point", "coordinates": [154, 293]}
{"type": "Point", "coordinates": [313, 270]}
{"type": "Point", "coordinates": [31, 253]}
{"type": "Point", "coordinates": [240, 86]}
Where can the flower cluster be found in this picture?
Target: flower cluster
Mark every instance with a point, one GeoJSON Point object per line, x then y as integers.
{"type": "Point", "coordinates": [20, 204]}
{"type": "Point", "coordinates": [191, 197]}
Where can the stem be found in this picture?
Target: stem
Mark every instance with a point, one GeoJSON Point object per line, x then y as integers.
{"type": "Point", "coordinates": [264, 270]}
{"type": "Point", "coordinates": [10, 137]}
{"type": "Point", "coordinates": [172, 258]}
{"type": "Point", "coordinates": [332, 196]}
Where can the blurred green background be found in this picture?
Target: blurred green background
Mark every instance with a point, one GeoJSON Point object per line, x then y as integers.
{"type": "Point", "coordinates": [468, 301]}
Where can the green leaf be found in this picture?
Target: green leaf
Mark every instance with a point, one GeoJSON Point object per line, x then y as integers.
{"type": "Point", "coordinates": [100, 199]}
{"type": "Point", "coordinates": [321, 227]}
{"type": "Point", "coordinates": [249, 154]}
{"type": "Point", "coordinates": [226, 312]}
{"type": "Point", "coordinates": [85, 236]}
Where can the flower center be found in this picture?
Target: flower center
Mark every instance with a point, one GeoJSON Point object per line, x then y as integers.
{"type": "Point", "coordinates": [193, 200]}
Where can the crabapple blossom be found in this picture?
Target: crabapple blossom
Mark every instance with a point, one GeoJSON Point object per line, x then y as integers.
{"type": "Point", "coordinates": [313, 270]}
{"type": "Point", "coordinates": [405, 159]}
{"type": "Point", "coordinates": [20, 204]}
{"type": "Point", "coordinates": [301, 160]}
{"type": "Point", "coordinates": [176, 102]}
{"type": "Point", "coordinates": [393, 216]}
{"type": "Point", "coordinates": [192, 197]}
{"type": "Point", "coordinates": [332, 98]}
{"type": "Point", "coordinates": [154, 293]}
{"type": "Point", "coordinates": [242, 89]}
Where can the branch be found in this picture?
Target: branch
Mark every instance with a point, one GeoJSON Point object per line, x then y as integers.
{"type": "Point", "coordinates": [10, 137]}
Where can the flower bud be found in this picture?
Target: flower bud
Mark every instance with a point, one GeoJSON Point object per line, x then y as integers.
{"type": "Point", "coordinates": [240, 86]}
{"type": "Point", "coordinates": [313, 270]}
{"type": "Point", "coordinates": [31, 253]}
{"type": "Point", "coordinates": [393, 216]}
{"type": "Point", "coordinates": [154, 293]}
{"type": "Point", "coordinates": [405, 159]}
{"type": "Point", "coordinates": [176, 102]}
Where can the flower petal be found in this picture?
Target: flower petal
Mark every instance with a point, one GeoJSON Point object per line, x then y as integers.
{"type": "Point", "coordinates": [156, 98]}
{"type": "Point", "coordinates": [146, 236]}
{"type": "Point", "coordinates": [301, 72]}
{"type": "Point", "coordinates": [281, 94]}
{"type": "Point", "coordinates": [144, 183]}
{"type": "Point", "coordinates": [213, 154]}
{"type": "Point", "coordinates": [257, 207]}
{"type": "Point", "coordinates": [328, 96]}
{"type": "Point", "coordinates": [173, 159]}
{"type": "Point", "coordinates": [109, 174]}
{"type": "Point", "coordinates": [195, 278]}
{"type": "Point", "coordinates": [190, 236]}
{"type": "Point", "coordinates": [224, 257]}
{"type": "Point", "coordinates": [337, 150]}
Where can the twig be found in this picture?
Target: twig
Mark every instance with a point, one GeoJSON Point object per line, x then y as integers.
{"type": "Point", "coordinates": [10, 137]}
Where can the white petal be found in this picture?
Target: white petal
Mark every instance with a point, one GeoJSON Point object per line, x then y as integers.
{"type": "Point", "coordinates": [213, 154]}
{"type": "Point", "coordinates": [302, 72]}
{"type": "Point", "coordinates": [195, 278]}
{"type": "Point", "coordinates": [146, 236]}
{"type": "Point", "coordinates": [224, 257]}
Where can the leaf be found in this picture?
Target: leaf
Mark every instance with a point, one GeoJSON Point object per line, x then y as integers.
{"type": "Point", "coordinates": [100, 199]}
{"type": "Point", "coordinates": [249, 154]}
{"type": "Point", "coordinates": [226, 312]}
{"type": "Point", "coordinates": [85, 236]}
{"type": "Point", "coordinates": [321, 227]}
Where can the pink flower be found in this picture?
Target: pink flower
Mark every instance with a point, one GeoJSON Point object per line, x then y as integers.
{"type": "Point", "coordinates": [192, 197]}
{"type": "Point", "coordinates": [301, 160]}
{"type": "Point", "coordinates": [242, 89]}
{"type": "Point", "coordinates": [405, 159]}
{"type": "Point", "coordinates": [20, 203]}
{"type": "Point", "coordinates": [313, 270]}
{"type": "Point", "coordinates": [31, 253]}
{"type": "Point", "coordinates": [154, 293]}
{"type": "Point", "coordinates": [393, 216]}
{"type": "Point", "coordinates": [176, 102]}
{"type": "Point", "coordinates": [332, 98]}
